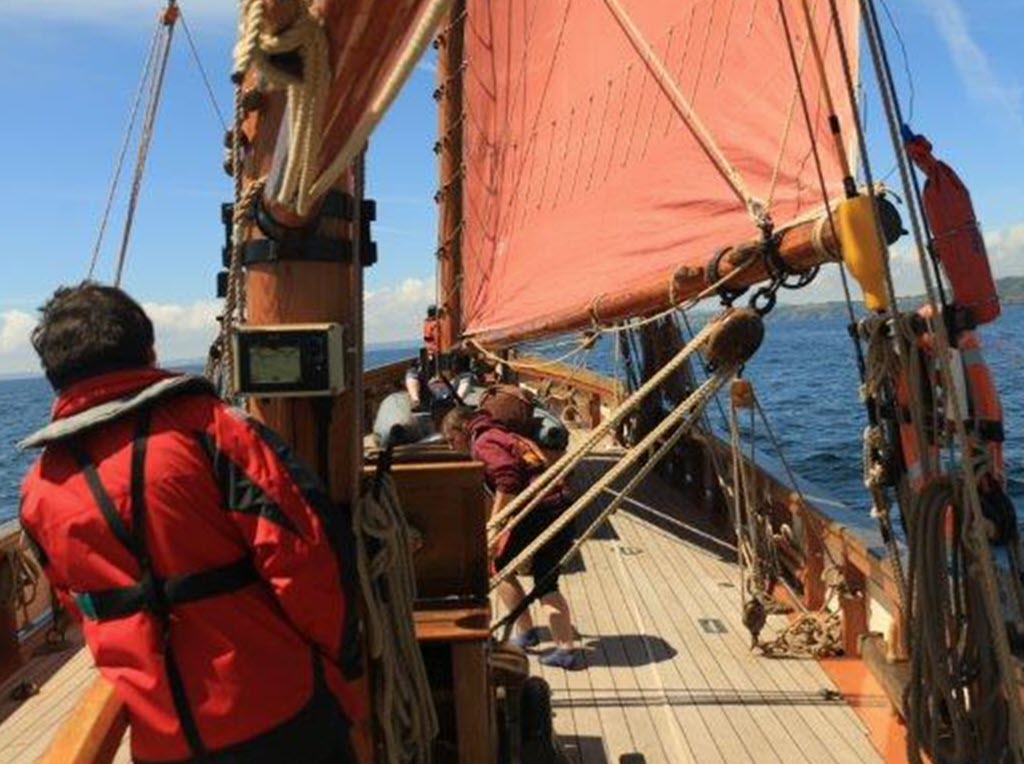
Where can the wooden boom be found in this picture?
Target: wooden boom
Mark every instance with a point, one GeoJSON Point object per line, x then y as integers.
{"type": "Point", "coordinates": [801, 247]}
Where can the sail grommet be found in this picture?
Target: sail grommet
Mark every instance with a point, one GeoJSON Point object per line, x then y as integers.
{"type": "Point", "coordinates": [737, 335]}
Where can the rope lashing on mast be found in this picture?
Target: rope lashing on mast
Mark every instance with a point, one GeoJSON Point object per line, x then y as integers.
{"type": "Point", "coordinates": [754, 206]}
{"type": "Point", "coordinates": [404, 709]}
{"type": "Point", "coordinates": [306, 93]}
{"type": "Point", "coordinates": [730, 340]}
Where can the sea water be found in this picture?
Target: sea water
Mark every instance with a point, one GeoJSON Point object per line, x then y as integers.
{"type": "Point", "coordinates": [804, 374]}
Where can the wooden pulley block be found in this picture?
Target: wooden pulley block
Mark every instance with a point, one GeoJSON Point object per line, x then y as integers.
{"type": "Point", "coordinates": [736, 337]}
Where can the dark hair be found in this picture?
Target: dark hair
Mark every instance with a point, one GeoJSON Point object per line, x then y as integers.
{"type": "Point", "coordinates": [431, 311]}
{"type": "Point", "coordinates": [91, 329]}
{"type": "Point", "coordinates": [456, 419]}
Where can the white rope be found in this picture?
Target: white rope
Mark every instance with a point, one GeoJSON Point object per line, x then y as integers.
{"type": "Point", "coordinates": [404, 709]}
{"type": "Point", "coordinates": [306, 94]}
{"type": "Point", "coordinates": [529, 498]}
{"type": "Point", "coordinates": [421, 36]}
{"type": "Point", "coordinates": [663, 77]}
{"type": "Point", "coordinates": [115, 178]}
{"type": "Point", "coordinates": [682, 418]}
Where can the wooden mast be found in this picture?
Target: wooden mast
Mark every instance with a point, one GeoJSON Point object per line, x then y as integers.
{"type": "Point", "coordinates": [313, 291]}
{"type": "Point", "coordinates": [801, 247]}
{"type": "Point", "coordinates": [449, 153]}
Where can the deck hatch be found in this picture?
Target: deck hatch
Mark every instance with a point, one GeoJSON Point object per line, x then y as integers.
{"type": "Point", "coordinates": [712, 625]}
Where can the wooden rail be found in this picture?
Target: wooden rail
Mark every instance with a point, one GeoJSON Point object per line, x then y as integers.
{"type": "Point", "coordinates": [93, 731]}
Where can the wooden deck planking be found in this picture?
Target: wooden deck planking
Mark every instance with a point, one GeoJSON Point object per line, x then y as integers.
{"type": "Point", "coordinates": [678, 611]}
{"type": "Point", "coordinates": [781, 706]}
{"type": "Point", "coordinates": [808, 716]}
{"type": "Point", "coordinates": [793, 674]}
{"type": "Point", "coordinates": [712, 700]}
{"type": "Point", "coordinates": [643, 722]}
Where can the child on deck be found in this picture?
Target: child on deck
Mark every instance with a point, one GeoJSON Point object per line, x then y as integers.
{"type": "Point", "coordinates": [511, 462]}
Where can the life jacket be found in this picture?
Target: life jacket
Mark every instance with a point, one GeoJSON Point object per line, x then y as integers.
{"type": "Point", "coordinates": [957, 239]}
{"type": "Point", "coordinates": [207, 566]}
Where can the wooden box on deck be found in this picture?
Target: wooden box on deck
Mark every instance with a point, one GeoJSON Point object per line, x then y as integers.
{"type": "Point", "coordinates": [444, 503]}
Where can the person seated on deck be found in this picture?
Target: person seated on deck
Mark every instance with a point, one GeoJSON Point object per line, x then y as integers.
{"type": "Point", "coordinates": [207, 566]}
{"type": "Point", "coordinates": [417, 377]}
{"type": "Point", "coordinates": [511, 462]}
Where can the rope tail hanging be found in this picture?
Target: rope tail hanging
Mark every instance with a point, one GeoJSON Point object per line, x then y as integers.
{"type": "Point", "coordinates": [403, 707]}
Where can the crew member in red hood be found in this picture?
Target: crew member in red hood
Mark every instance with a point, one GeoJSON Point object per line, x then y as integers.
{"type": "Point", "coordinates": [511, 462]}
{"type": "Point", "coordinates": [210, 571]}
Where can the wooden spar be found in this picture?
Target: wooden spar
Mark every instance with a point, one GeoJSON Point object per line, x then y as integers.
{"type": "Point", "coordinates": [449, 152]}
{"type": "Point", "coordinates": [801, 246]}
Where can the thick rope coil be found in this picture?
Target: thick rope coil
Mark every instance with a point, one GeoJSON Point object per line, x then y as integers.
{"type": "Point", "coordinates": [402, 701]}
{"type": "Point", "coordinates": [306, 93]}
{"type": "Point", "coordinates": [19, 583]}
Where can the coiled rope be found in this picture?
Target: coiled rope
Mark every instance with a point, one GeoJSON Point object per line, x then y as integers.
{"type": "Point", "coordinates": [955, 708]}
{"type": "Point", "coordinates": [402, 702]}
{"type": "Point", "coordinates": [306, 92]}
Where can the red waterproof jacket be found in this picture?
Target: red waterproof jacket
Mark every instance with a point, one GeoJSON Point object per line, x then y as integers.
{"type": "Point", "coordinates": [236, 642]}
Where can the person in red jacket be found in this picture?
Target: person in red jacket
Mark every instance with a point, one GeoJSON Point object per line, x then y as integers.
{"type": "Point", "coordinates": [511, 462]}
{"type": "Point", "coordinates": [210, 571]}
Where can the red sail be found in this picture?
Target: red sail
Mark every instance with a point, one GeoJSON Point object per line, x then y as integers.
{"type": "Point", "coordinates": [581, 181]}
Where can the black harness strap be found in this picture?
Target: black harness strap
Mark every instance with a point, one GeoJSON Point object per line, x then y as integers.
{"type": "Point", "coordinates": [151, 593]}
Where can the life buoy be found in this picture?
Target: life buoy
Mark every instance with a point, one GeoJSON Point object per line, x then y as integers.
{"type": "Point", "coordinates": [956, 237]}
{"type": "Point", "coordinates": [983, 415]}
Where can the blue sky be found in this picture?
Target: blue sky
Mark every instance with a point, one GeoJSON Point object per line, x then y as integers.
{"type": "Point", "coordinates": [68, 70]}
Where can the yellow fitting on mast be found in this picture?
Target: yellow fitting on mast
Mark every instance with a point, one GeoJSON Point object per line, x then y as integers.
{"type": "Point", "coordinates": [863, 251]}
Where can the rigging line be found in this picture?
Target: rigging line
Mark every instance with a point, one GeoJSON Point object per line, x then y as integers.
{"type": "Point", "coordinates": [729, 173]}
{"type": "Point", "coordinates": [777, 447]}
{"type": "Point", "coordinates": [862, 149]}
{"type": "Point", "coordinates": [974, 519]}
{"type": "Point", "coordinates": [115, 178]}
{"type": "Point", "coordinates": [202, 73]}
{"type": "Point", "coordinates": [859, 351]}
{"type": "Point", "coordinates": [146, 135]}
{"type": "Point", "coordinates": [789, 123]}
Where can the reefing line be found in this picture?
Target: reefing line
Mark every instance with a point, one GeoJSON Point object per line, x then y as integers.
{"type": "Point", "coordinates": [427, 24]}
{"type": "Point", "coordinates": [755, 207]}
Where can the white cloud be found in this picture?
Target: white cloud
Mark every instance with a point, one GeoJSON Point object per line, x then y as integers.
{"type": "Point", "coordinates": [976, 71]}
{"type": "Point", "coordinates": [16, 354]}
{"type": "Point", "coordinates": [183, 332]}
{"type": "Point", "coordinates": [1006, 250]}
{"type": "Point", "coordinates": [396, 312]}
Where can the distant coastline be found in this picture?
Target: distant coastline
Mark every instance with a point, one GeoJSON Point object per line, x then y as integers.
{"type": "Point", "coordinates": [1010, 289]}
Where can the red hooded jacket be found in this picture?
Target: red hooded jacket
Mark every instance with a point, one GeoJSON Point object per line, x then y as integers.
{"type": "Point", "coordinates": [247, 665]}
{"type": "Point", "coordinates": [511, 461]}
